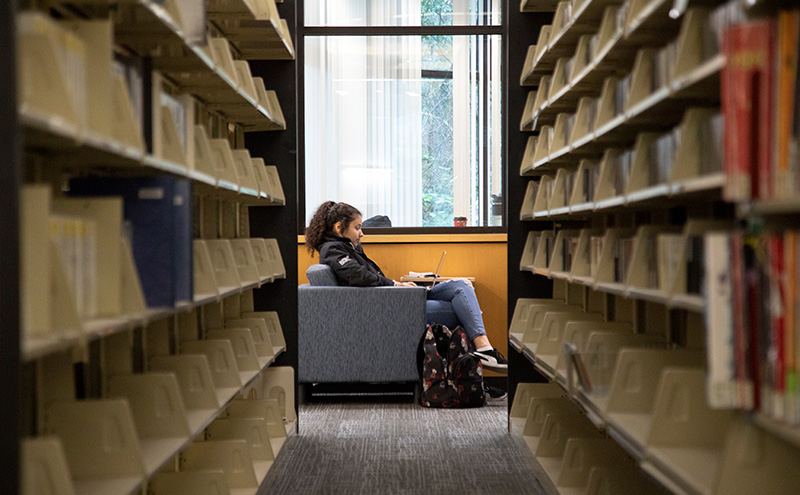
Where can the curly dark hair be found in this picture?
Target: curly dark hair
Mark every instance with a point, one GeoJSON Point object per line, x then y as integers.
{"type": "Point", "coordinates": [324, 219]}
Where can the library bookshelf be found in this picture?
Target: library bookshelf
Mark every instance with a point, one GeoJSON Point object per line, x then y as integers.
{"type": "Point", "coordinates": [147, 358]}
{"type": "Point", "coordinates": [654, 321]}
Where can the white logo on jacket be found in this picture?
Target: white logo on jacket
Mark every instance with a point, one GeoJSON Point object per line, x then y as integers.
{"type": "Point", "coordinates": [344, 260]}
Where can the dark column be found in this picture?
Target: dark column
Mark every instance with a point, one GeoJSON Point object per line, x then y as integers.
{"type": "Point", "coordinates": [522, 30]}
{"type": "Point", "coordinates": [9, 254]}
{"type": "Point", "coordinates": [279, 148]}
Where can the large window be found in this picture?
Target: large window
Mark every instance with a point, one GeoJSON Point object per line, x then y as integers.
{"type": "Point", "coordinates": [405, 126]}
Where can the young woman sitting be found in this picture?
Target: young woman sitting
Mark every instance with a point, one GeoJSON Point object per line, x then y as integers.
{"type": "Point", "coordinates": [335, 232]}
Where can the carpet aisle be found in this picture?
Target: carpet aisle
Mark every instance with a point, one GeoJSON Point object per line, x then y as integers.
{"type": "Point", "coordinates": [391, 448]}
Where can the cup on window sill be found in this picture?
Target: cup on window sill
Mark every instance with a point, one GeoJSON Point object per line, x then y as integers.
{"type": "Point", "coordinates": [459, 221]}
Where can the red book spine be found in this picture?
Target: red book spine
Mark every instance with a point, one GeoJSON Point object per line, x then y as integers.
{"type": "Point", "coordinates": [746, 101]}
{"type": "Point", "coordinates": [776, 311]}
{"type": "Point", "coordinates": [738, 310]}
{"type": "Point", "coordinates": [766, 46]}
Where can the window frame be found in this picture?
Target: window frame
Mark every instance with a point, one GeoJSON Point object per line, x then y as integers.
{"type": "Point", "coordinates": [458, 30]}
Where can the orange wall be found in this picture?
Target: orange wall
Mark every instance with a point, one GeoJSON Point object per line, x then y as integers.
{"type": "Point", "coordinates": [468, 256]}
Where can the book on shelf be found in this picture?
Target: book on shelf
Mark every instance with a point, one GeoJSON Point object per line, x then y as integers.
{"type": "Point", "coordinates": [76, 240]}
{"type": "Point", "coordinates": [746, 91]}
{"type": "Point", "coordinates": [591, 175]}
{"type": "Point", "coordinates": [786, 106]}
{"type": "Point", "coordinates": [661, 154]}
{"type": "Point", "coordinates": [671, 272]}
{"type": "Point", "coordinates": [662, 65]}
{"type": "Point", "coordinates": [694, 265]}
{"type": "Point", "coordinates": [721, 387]}
{"type": "Point", "coordinates": [159, 212]}
{"type": "Point", "coordinates": [623, 251]}
{"type": "Point", "coordinates": [752, 321]}
{"type": "Point", "coordinates": [777, 324]}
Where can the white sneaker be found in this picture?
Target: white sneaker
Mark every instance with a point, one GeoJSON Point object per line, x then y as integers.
{"type": "Point", "coordinates": [492, 360]}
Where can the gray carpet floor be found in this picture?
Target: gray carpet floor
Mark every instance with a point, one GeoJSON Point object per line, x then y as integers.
{"type": "Point", "coordinates": [403, 449]}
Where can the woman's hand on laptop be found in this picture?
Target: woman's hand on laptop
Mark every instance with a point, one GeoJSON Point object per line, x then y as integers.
{"type": "Point", "coordinates": [404, 284]}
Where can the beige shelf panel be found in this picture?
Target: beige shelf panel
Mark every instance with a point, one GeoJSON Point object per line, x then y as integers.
{"type": "Point", "coordinates": [189, 483]}
{"type": "Point", "coordinates": [526, 212]}
{"type": "Point", "coordinates": [205, 284]}
{"type": "Point", "coordinates": [245, 261]}
{"type": "Point", "coordinates": [526, 166]}
{"type": "Point", "coordinates": [542, 44]}
{"type": "Point", "coordinates": [263, 35]}
{"type": "Point", "coordinates": [757, 461]}
{"type": "Point", "coordinates": [671, 246]}
{"type": "Point", "coordinates": [244, 349]}
{"type": "Point", "coordinates": [230, 456]}
{"type": "Point", "coordinates": [100, 444]}
{"type": "Point", "coordinates": [226, 273]}
{"type": "Point", "coordinates": [262, 181]}
{"type": "Point", "coordinates": [580, 334]}
{"type": "Point", "coordinates": [196, 384]}
{"type": "Point", "coordinates": [260, 335]}
{"type": "Point", "coordinates": [544, 250]}
{"type": "Point", "coordinates": [543, 193]}
{"type": "Point", "coordinates": [148, 30]}
{"type": "Point", "coordinates": [698, 79]}
{"type": "Point", "coordinates": [528, 253]}
{"type": "Point", "coordinates": [529, 77]}
{"type": "Point", "coordinates": [245, 78]}
{"type": "Point", "coordinates": [261, 257]}
{"type": "Point", "coordinates": [557, 430]}
{"type": "Point", "coordinates": [582, 455]}
{"type": "Point", "coordinates": [44, 467]}
{"type": "Point", "coordinates": [266, 410]}
{"type": "Point", "coordinates": [539, 410]}
{"type": "Point", "coordinates": [273, 327]}
{"type": "Point", "coordinates": [525, 313]}
{"type": "Point", "coordinates": [52, 71]}
{"type": "Point", "coordinates": [279, 385]}
{"type": "Point", "coordinates": [527, 121]}
{"type": "Point", "coordinates": [557, 257]}
{"type": "Point", "coordinates": [204, 158]}
{"type": "Point", "coordinates": [158, 414]}
{"type": "Point", "coordinates": [551, 335]}
{"type": "Point", "coordinates": [527, 391]}
{"type": "Point", "coordinates": [630, 409]}
{"type": "Point", "coordinates": [245, 173]}
{"type": "Point", "coordinates": [222, 363]}
{"type": "Point", "coordinates": [98, 40]}
{"type": "Point", "coordinates": [251, 430]}
{"type": "Point", "coordinates": [275, 259]}
{"type": "Point", "coordinates": [533, 330]}
{"type": "Point", "coordinates": [581, 271]}
{"type": "Point", "coordinates": [106, 213]}
{"type": "Point", "coordinates": [686, 437]}
{"type": "Point", "coordinates": [35, 262]}
{"type": "Point", "coordinates": [276, 189]}
{"type": "Point", "coordinates": [570, 22]}
{"type": "Point", "coordinates": [124, 125]}
{"type": "Point", "coordinates": [232, 9]}
{"type": "Point", "coordinates": [537, 5]}
{"type": "Point", "coordinates": [225, 168]}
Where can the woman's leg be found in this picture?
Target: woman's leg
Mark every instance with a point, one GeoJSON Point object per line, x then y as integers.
{"type": "Point", "coordinates": [465, 305]}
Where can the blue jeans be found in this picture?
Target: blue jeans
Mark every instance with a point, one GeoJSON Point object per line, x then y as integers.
{"type": "Point", "coordinates": [465, 305]}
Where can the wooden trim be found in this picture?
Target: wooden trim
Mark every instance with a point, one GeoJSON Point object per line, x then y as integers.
{"type": "Point", "coordinates": [427, 238]}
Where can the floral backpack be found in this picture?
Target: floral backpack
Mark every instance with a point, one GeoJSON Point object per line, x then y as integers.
{"type": "Point", "coordinates": [451, 376]}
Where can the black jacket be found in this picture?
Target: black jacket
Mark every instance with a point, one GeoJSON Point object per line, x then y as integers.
{"type": "Point", "coordinates": [351, 265]}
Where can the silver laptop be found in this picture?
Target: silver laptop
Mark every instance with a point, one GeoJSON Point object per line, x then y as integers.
{"type": "Point", "coordinates": [438, 270]}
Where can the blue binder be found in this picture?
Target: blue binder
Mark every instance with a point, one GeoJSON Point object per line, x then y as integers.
{"type": "Point", "coordinates": [159, 212]}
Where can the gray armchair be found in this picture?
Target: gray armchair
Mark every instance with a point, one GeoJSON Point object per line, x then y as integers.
{"type": "Point", "coordinates": [357, 334]}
